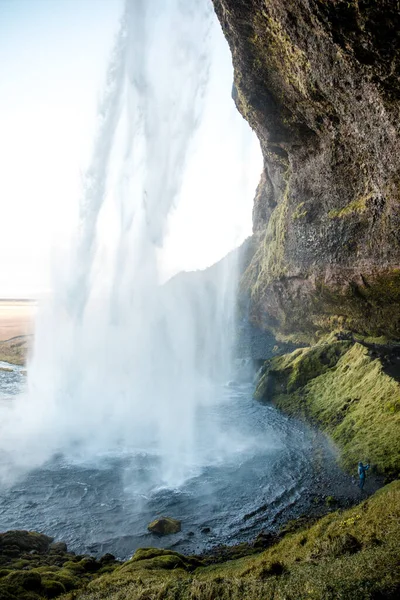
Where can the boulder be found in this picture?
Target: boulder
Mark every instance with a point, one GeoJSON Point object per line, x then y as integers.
{"type": "Point", "coordinates": [58, 548]}
{"type": "Point", "coordinates": [164, 526]}
{"type": "Point", "coordinates": [24, 541]}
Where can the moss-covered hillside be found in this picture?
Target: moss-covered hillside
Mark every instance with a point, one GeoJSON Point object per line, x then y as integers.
{"type": "Point", "coordinates": [344, 389]}
{"type": "Point", "coordinates": [319, 82]}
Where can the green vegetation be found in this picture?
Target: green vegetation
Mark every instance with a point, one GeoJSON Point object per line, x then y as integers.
{"type": "Point", "coordinates": [164, 526]}
{"type": "Point", "coordinates": [347, 393]}
{"type": "Point", "coordinates": [269, 261]}
{"type": "Point", "coordinates": [300, 212]}
{"type": "Point", "coordinates": [346, 554]}
{"type": "Point", "coordinates": [32, 568]}
{"type": "Point", "coordinates": [274, 47]}
{"type": "Point", "coordinates": [15, 350]}
{"type": "Point", "coordinates": [351, 554]}
{"type": "Point", "coordinates": [358, 205]}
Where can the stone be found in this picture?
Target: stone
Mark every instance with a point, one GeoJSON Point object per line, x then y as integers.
{"type": "Point", "coordinates": [58, 548]}
{"type": "Point", "coordinates": [106, 559]}
{"type": "Point", "coordinates": [164, 526]}
{"type": "Point", "coordinates": [25, 541]}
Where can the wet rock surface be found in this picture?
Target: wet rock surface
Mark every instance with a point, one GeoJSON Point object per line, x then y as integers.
{"type": "Point", "coordinates": [319, 83]}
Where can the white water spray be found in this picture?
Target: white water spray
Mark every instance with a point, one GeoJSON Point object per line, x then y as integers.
{"type": "Point", "coordinates": [122, 363]}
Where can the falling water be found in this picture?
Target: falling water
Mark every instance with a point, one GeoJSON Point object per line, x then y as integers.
{"type": "Point", "coordinates": [122, 362]}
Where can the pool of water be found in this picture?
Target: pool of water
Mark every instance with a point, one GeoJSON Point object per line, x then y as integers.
{"type": "Point", "coordinates": [243, 479]}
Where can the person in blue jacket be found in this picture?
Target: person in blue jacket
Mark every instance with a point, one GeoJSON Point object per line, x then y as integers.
{"type": "Point", "coordinates": [361, 473]}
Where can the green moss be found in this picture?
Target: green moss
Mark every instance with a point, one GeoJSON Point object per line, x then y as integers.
{"type": "Point", "coordinates": [20, 564]}
{"type": "Point", "coordinates": [269, 261]}
{"type": "Point", "coordinates": [340, 387]}
{"type": "Point", "coordinates": [299, 212]}
{"type": "Point", "coordinates": [52, 588]}
{"type": "Point", "coordinates": [4, 572]}
{"type": "Point", "coordinates": [62, 576]}
{"type": "Point", "coordinates": [156, 558]}
{"type": "Point", "coordinates": [358, 205]}
{"type": "Point", "coordinates": [351, 554]}
{"type": "Point", "coordinates": [274, 49]}
{"type": "Point", "coordinates": [74, 567]}
{"type": "Point", "coordinates": [287, 373]}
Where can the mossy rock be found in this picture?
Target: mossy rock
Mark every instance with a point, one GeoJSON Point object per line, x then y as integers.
{"type": "Point", "coordinates": [164, 526]}
{"type": "Point", "coordinates": [52, 588]}
{"type": "Point", "coordinates": [4, 572]}
{"type": "Point", "coordinates": [75, 567]}
{"type": "Point", "coordinates": [5, 594]}
{"type": "Point", "coordinates": [89, 564]}
{"type": "Point", "coordinates": [69, 581]}
{"type": "Point", "coordinates": [28, 580]}
{"type": "Point", "coordinates": [58, 548]}
{"type": "Point", "coordinates": [289, 372]}
{"type": "Point", "coordinates": [156, 558]}
{"type": "Point", "coordinates": [25, 541]}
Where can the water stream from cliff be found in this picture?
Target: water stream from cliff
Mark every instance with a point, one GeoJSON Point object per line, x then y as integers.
{"type": "Point", "coordinates": [134, 405]}
{"type": "Point", "coordinates": [120, 361]}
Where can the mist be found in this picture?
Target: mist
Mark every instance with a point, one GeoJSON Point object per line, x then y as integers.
{"type": "Point", "coordinates": [122, 362]}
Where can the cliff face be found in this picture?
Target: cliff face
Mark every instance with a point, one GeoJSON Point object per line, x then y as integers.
{"type": "Point", "coordinates": [318, 81]}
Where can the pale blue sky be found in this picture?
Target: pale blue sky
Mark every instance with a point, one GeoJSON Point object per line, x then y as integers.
{"type": "Point", "coordinates": [53, 56]}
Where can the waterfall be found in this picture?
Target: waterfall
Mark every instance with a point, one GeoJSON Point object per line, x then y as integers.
{"type": "Point", "coordinates": [122, 361]}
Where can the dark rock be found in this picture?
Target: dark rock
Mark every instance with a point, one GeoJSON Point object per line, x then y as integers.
{"type": "Point", "coordinates": [90, 564]}
{"type": "Point", "coordinates": [58, 548]}
{"type": "Point", "coordinates": [265, 540]}
{"type": "Point", "coordinates": [319, 84]}
{"type": "Point", "coordinates": [206, 530]}
{"type": "Point", "coordinates": [164, 526]}
{"type": "Point", "coordinates": [25, 541]}
{"type": "Point", "coordinates": [107, 559]}
{"type": "Point", "coordinates": [11, 551]}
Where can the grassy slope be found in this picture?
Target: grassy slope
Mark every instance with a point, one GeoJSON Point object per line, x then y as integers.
{"type": "Point", "coordinates": [347, 393]}
{"type": "Point", "coordinates": [351, 554]}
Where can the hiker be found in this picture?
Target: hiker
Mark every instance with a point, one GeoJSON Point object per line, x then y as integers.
{"type": "Point", "coordinates": [361, 472]}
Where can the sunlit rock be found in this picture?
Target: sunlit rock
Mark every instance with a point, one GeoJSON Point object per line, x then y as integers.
{"type": "Point", "coordinates": [164, 526]}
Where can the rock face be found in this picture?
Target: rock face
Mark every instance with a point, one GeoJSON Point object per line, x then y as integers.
{"type": "Point", "coordinates": [319, 83]}
{"type": "Point", "coordinates": [164, 526]}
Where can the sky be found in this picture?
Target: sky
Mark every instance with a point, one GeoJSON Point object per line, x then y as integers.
{"type": "Point", "coordinates": [53, 59]}
{"type": "Point", "coordinates": [53, 56]}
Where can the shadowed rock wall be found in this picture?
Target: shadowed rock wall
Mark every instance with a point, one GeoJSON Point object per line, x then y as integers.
{"type": "Point", "coordinates": [318, 81]}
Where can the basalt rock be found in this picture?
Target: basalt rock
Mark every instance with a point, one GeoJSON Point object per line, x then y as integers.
{"type": "Point", "coordinates": [319, 82]}
{"type": "Point", "coordinates": [164, 526]}
{"type": "Point", "coordinates": [24, 541]}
